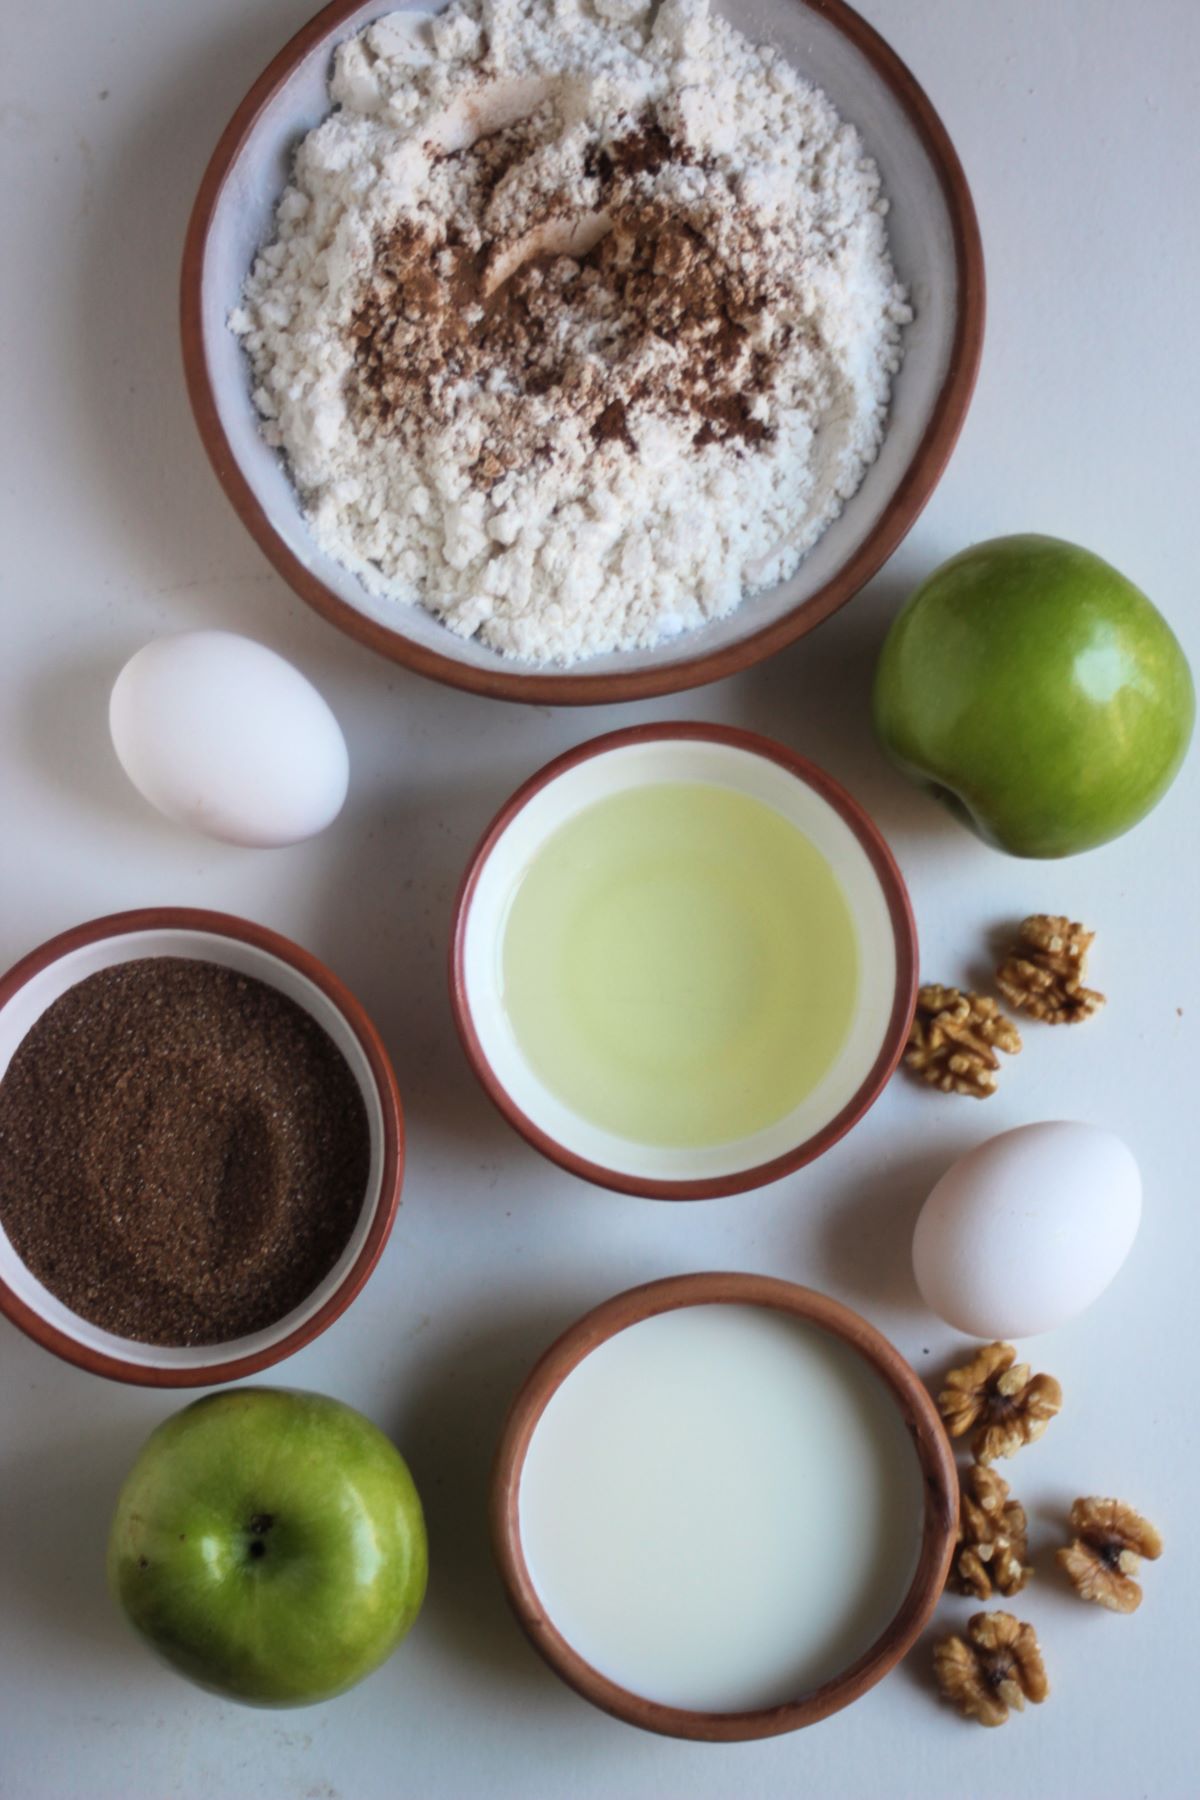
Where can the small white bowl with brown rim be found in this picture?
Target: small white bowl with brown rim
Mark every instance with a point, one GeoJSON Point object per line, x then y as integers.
{"type": "Point", "coordinates": [931, 1484]}
{"type": "Point", "coordinates": [823, 812]}
{"type": "Point", "coordinates": [42, 977]}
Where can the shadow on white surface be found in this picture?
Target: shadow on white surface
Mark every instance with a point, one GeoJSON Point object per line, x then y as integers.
{"type": "Point", "coordinates": [55, 1589]}
{"type": "Point", "coordinates": [998, 937]}
{"type": "Point", "coordinates": [382, 917]}
{"type": "Point", "coordinates": [865, 1235]}
{"type": "Point", "coordinates": [450, 1426]}
{"type": "Point", "coordinates": [816, 696]}
{"type": "Point", "coordinates": [916, 1671]}
{"type": "Point", "coordinates": [65, 733]}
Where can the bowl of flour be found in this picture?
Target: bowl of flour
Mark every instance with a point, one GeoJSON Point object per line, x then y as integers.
{"type": "Point", "coordinates": [581, 350]}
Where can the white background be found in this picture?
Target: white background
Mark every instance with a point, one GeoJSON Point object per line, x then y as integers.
{"type": "Point", "coordinates": [1077, 125]}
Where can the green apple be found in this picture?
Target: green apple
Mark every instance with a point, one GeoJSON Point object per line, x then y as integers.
{"type": "Point", "coordinates": [1039, 692]}
{"type": "Point", "coordinates": [270, 1545]}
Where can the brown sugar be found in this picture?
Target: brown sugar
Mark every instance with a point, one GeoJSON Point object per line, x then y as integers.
{"type": "Point", "coordinates": [183, 1151]}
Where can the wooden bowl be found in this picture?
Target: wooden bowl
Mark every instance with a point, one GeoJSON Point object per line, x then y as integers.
{"type": "Point", "coordinates": [936, 248]}
{"type": "Point", "coordinates": [874, 888]}
{"type": "Point", "coordinates": [930, 1446]}
{"type": "Point", "coordinates": [40, 978]}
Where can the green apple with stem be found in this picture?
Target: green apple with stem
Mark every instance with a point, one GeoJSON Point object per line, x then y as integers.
{"type": "Point", "coordinates": [1039, 692]}
{"type": "Point", "coordinates": [269, 1545]}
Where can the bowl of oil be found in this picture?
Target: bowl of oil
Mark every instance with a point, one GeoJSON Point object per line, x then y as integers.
{"type": "Point", "coordinates": [683, 961]}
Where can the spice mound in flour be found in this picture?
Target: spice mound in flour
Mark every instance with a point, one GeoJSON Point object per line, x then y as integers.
{"type": "Point", "coordinates": [657, 317]}
{"type": "Point", "coordinates": [579, 323]}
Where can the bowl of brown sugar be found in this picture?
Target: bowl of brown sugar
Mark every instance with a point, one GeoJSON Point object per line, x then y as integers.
{"type": "Point", "coordinates": [201, 1147]}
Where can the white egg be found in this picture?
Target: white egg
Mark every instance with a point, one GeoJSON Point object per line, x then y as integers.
{"type": "Point", "coordinates": [220, 733]}
{"type": "Point", "coordinates": [1025, 1231]}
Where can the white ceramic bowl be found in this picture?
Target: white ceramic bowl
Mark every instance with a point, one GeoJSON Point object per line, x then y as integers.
{"type": "Point", "coordinates": [46, 973]}
{"type": "Point", "coordinates": [838, 827]}
{"type": "Point", "coordinates": [935, 244]}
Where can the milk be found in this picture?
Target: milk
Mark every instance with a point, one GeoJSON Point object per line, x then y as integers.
{"type": "Point", "coordinates": [721, 1508]}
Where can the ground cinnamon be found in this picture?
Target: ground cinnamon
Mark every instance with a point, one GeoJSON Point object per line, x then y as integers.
{"type": "Point", "coordinates": [430, 319]}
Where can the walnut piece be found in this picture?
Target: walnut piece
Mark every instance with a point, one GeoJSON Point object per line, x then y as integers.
{"type": "Point", "coordinates": [998, 1665]}
{"type": "Point", "coordinates": [993, 1391]}
{"type": "Point", "coordinates": [1110, 1539]}
{"type": "Point", "coordinates": [1043, 972]}
{"type": "Point", "coordinates": [953, 1041]}
{"type": "Point", "coordinates": [992, 1541]}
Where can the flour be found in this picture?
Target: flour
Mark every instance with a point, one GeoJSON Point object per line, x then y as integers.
{"type": "Point", "coordinates": [579, 322]}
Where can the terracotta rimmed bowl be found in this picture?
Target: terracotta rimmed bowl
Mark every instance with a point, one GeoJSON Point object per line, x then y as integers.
{"type": "Point", "coordinates": [936, 247]}
{"type": "Point", "coordinates": [930, 1447]}
{"type": "Point", "coordinates": [870, 880]}
{"type": "Point", "coordinates": [40, 978]}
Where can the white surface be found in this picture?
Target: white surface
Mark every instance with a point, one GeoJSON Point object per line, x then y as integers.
{"type": "Point", "coordinates": [633, 766]}
{"type": "Point", "coordinates": [676, 1484]}
{"type": "Point", "coordinates": [919, 235]}
{"type": "Point", "coordinates": [1077, 126]}
{"type": "Point", "coordinates": [26, 1007]}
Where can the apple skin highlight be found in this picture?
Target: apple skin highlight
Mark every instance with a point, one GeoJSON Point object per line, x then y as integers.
{"type": "Point", "coordinates": [1038, 692]}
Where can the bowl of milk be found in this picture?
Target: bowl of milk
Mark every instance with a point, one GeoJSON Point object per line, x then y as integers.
{"type": "Point", "coordinates": [723, 1506]}
{"type": "Point", "coordinates": [684, 961]}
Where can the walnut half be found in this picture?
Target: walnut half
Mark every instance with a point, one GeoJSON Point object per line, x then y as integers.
{"type": "Point", "coordinates": [995, 1392]}
{"type": "Point", "coordinates": [992, 1541]}
{"type": "Point", "coordinates": [1110, 1539]}
{"type": "Point", "coordinates": [997, 1666]}
{"type": "Point", "coordinates": [953, 1041]}
{"type": "Point", "coordinates": [1043, 973]}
